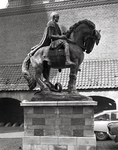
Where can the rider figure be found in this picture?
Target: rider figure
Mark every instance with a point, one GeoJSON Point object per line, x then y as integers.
{"type": "Point", "coordinates": [55, 37]}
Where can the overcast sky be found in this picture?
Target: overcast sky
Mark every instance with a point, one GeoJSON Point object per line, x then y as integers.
{"type": "Point", "coordinates": [3, 3]}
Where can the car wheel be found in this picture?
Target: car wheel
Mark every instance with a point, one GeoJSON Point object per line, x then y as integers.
{"type": "Point", "coordinates": [101, 136]}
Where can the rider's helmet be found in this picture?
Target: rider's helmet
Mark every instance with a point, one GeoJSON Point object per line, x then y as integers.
{"type": "Point", "coordinates": [53, 14]}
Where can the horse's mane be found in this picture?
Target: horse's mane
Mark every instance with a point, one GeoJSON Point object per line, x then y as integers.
{"type": "Point", "coordinates": [73, 27]}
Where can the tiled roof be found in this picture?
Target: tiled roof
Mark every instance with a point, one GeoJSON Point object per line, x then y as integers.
{"type": "Point", "coordinates": [95, 74]}
{"type": "Point", "coordinates": [11, 78]}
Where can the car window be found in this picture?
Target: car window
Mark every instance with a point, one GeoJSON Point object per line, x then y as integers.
{"type": "Point", "coordinates": [114, 116]}
{"type": "Point", "coordinates": [104, 117]}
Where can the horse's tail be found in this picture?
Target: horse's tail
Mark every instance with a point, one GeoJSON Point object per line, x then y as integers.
{"type": "Point", "coordinates": [25, 71]}
{"type": "Point", "coordinates": [25, 65]}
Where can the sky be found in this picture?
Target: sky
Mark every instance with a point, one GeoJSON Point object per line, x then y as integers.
{"type": "Point", "coordinates": [3, 3]}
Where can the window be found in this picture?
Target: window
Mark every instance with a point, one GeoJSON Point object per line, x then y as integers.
{"type": "Point", "coordinates": [104, 117]}
{"type": "Point", "coordinates": [114, 116]}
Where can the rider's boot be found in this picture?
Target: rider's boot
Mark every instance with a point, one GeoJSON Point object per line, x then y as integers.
{"type": "Point", "coordinates": [68, 61]}
{"type": "Point", "coordinates": [67, 53]}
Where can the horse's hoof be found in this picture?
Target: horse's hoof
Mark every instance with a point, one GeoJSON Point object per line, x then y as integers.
{"type": "Point", "coordinates": [32, 85]}
{"type": "Point", "coordinates": [49, 84]}
{"type": "Point", "coordinates": [72, 91]}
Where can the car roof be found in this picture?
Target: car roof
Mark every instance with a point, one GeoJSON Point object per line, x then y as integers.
{"type": "Point", "coordinates": [105, 111]}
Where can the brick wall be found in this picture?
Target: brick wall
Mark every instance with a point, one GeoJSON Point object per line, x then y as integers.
{"type": "Point", "coordinates": [59, 121]}
{"type": "Point", "coordinates": [22, 28]}
{"type": "Point", "coordinates": [59, 125]}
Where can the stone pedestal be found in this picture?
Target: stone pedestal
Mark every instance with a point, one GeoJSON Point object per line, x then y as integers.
{"type": "Point", "coordinates": [59, 125]}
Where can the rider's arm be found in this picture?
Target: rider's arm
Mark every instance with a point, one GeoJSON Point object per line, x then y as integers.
{"type": "Point", "coordinates": [53, 36]}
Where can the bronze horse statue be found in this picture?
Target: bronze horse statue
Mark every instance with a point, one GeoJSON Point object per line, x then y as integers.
{"type": "Point", "coordinates": [82, 37]}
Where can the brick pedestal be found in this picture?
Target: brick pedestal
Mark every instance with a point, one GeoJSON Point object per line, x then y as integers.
{"type": "Point", "coordinates": [59, 125]}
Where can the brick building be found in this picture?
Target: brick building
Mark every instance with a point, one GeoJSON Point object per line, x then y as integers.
{"type": "Point", "coordinates": [21, 26]}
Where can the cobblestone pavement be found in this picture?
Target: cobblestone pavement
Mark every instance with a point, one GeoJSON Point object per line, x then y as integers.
{"type": "Point", "coordinates": [16, 144]}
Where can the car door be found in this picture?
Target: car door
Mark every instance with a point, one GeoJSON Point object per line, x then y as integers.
{"type": "Point", "coordinates": [101, 122]}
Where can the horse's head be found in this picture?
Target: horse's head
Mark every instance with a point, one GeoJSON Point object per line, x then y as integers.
{"type": "Point", "coordinates": [84, 35]}
{"type": "Point", "coordinates": [91, 39]}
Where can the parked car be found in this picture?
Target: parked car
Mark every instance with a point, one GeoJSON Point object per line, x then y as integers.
{"type": "Point", "coordinates": [104, 104]}
{"type": "Point", "coordinates": [113, 131]}
{"type": "Point", "coordinates": [101, 121]}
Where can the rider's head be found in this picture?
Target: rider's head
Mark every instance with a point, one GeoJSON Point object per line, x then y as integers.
{"type": "Point", "coordinates": [54, 16]}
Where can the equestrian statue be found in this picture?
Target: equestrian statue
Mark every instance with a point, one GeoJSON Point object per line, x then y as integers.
{"type": "Point", "coordinates": [59, 51]}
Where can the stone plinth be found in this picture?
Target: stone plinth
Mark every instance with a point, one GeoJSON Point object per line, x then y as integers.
{"type": "Point", "coordinates": [59, 125]}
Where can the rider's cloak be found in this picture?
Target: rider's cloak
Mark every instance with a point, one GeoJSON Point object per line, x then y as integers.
{"type": "Point", "coordinates": [45, 41]}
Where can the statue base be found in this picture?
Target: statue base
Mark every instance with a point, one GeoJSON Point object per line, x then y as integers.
{"type": "Point", "coordinates": [65, 124]}
{"type": "Point", "coordinates": [56, 96]}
